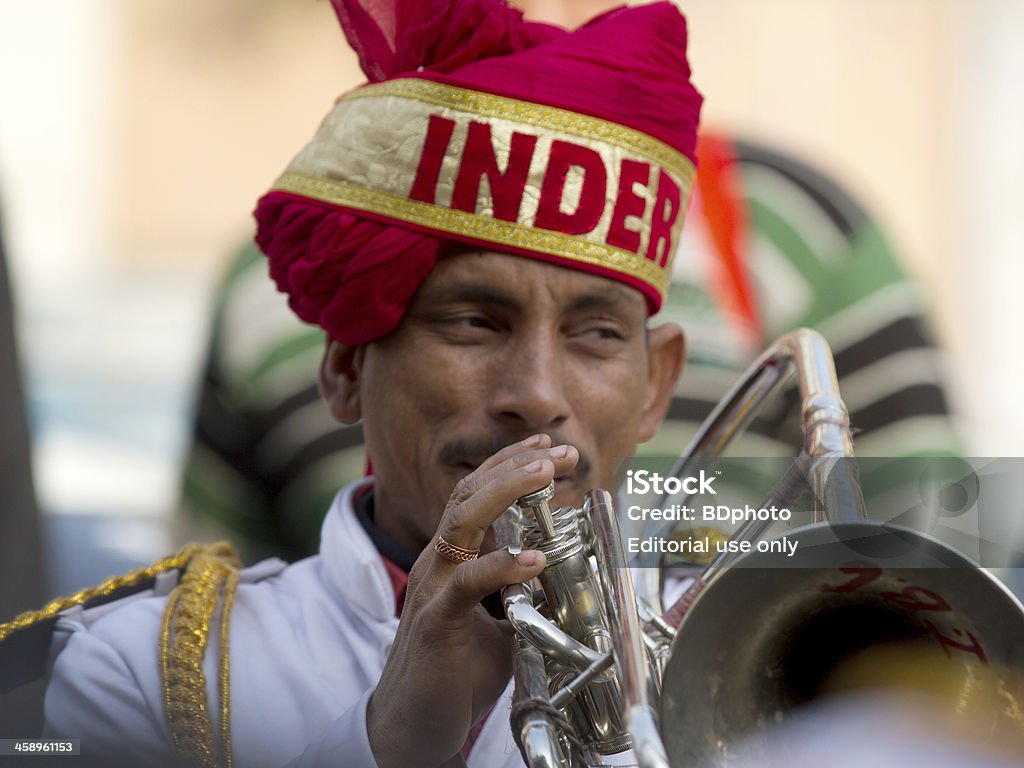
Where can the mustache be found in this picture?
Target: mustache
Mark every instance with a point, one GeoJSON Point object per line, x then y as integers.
{"type": "Point", "coordinates": [475, 450]}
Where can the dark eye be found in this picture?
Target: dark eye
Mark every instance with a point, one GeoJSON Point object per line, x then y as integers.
{"type": "Point", "coordinates": [600, 330]}
{"type": "Point", "coordinates": [607, 332]}
{"type": "Point", "coordinates": [473, 321]}
{"type": "Point", "coordinates": [599, 339]}
{"type": "Point", "coordinates": [467, 328]}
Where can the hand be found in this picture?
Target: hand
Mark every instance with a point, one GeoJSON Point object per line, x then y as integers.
{"type": "Point", "coordinates": [451, 660]}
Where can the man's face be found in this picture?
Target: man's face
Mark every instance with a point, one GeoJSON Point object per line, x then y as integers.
{"type": "Point", "coordinates": [495, 348]}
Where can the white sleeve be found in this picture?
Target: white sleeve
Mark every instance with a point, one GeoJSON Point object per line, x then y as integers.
{"type": "Point", "coordinates": [95, 696]}
{"type": "Point", "coordinates": [344, 743]}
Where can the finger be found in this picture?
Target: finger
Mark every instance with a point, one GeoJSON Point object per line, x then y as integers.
{"type": "Point", "coordinates": [465, 522]}
{"type": "Point", "coordinates": [473, 581]}
{"type": "Point", "coordinates": [540, 441]}
{"type": "Point", "coordinates": [563, 457]}
{"type": "Point", "coordinates": [482, 496]}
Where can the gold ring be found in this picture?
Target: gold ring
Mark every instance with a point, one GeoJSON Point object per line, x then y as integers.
{"type": "Point", "coordinates": [453, 553]}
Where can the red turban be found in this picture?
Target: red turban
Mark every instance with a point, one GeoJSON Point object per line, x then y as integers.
{"type": "Point", "coordinates": [482, 129]}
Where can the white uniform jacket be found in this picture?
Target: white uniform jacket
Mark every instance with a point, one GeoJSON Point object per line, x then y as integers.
{"type": "Point", "coordinates": [307, 644]}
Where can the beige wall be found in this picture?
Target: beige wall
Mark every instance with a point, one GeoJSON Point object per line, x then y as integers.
{"type": "Point", "coordinates": [212, 104]}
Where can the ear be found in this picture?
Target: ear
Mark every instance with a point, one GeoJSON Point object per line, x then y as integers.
{"type": "Point", "coordinates": [340, 379]}
{"type": "Point", "coordinates": [666, 353]}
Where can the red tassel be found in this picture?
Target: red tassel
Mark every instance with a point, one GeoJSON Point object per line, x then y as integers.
{"type": "Point", "coordinates": [725, 215]}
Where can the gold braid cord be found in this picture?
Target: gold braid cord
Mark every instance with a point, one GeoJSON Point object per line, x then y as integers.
{"type": "Point", "coordinates": [57, 605]}
{"type": "Point", "coordinates": [184, 635]}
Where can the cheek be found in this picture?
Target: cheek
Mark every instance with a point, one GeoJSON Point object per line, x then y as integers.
{"type": "Point", "coordinates": [610, 404]}
{"type": "Point", "coordinates": [450, 385]}
{"type": "Point", "coordinates": [430, 388]}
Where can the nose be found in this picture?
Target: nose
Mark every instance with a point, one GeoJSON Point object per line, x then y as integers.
{"type": "Point", "coordinates": [532, 391]}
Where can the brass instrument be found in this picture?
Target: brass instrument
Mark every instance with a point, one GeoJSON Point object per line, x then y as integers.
{"type": "Point", "coordinates": [594, 679]}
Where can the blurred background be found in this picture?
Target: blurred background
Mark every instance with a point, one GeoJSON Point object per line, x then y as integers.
{"type": "Point", "coordinates": [136, 136]}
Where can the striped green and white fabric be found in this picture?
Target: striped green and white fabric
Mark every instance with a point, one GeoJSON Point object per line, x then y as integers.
{"type": "Point", "coordinates": [267, 457]}
{"type": "Point", "coordinates": [814, 259]}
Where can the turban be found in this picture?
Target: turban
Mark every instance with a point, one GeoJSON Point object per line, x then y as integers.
{"type": "Point", "coordinates": [478, 129]}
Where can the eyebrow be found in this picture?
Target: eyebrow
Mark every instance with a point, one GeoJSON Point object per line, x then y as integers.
{"type": "Point", "coordinates": [474, 294]}
{"type": "Point", "coordinates": [607, 297]}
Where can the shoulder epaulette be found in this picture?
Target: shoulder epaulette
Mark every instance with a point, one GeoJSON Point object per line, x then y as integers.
{"type": "Point", "coordinates": [206, 573]}
{"type": "Point", "coordinates": [25, 640]}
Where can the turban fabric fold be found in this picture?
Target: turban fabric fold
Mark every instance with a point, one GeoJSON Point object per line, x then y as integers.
{"type": "Point", "coordinates": [481, 129]}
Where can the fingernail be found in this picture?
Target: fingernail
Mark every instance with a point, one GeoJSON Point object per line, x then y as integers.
{"type": "Point", "coordinates": [560, 452]}
{"type": "Point", "coordinates": [533, 466]}
{"type": "Point", "coordinates": [531, 441]}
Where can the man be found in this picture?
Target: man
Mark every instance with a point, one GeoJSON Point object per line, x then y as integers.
{"type": "Point", "coordinates": [482, 234]}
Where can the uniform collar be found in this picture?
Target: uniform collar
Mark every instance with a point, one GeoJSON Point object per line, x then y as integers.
{"type": "Point", "coordinates": [351, 563]}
